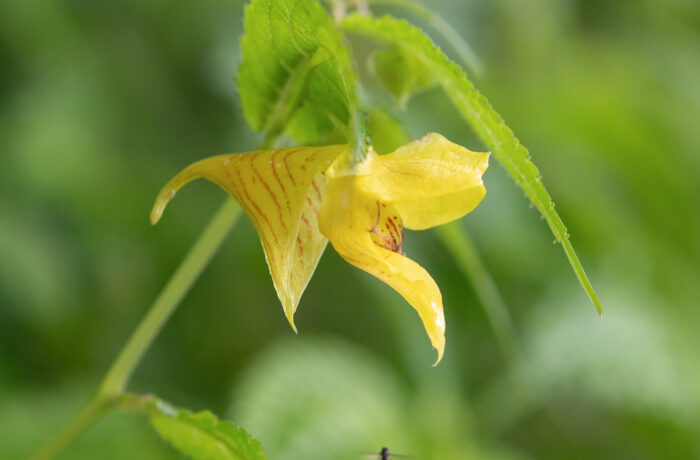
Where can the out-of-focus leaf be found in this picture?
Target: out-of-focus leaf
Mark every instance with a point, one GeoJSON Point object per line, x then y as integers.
{"type": "Point", "coordinates": [629, 362]}
{"type": "Point", "coordinates": [485, 121]}
{"type": "Point", "coordinates": [322, 399]}
{"type": "Point", "coordinates": [401, 73]}
{"type": "Point", "coordinates": [386, 132]}
{"type": "Point", "coordinates": [202, 436]}
{"type": "Point", "coordinates": [441, 27]}
{"type": "Point", "coordinates": [292, 52]}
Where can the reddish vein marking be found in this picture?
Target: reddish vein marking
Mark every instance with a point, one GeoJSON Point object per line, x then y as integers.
{"type": "Point", "coordinates": [301, 250]}
{"type": "Point", "coordinates": [398, 239]}
{"type": "Point", "coordinates": [286, 165]}
{"type": "Point", "coordinates": [393, 230]}
{"type": "Point", "coordinates": [244, 205]}
{"type": "Point", "coordinates": [318, 192]}
{"type": "Point", "coordinates": [255, 205]}
{"type": "Point", "coordinates": [311, 205]}
{"type": "Point", "coordinates": [308, 224]}
{"type": "Point", "coordinates": [267, 187]}
{"type": "Point", "coordinates": [273, 165]}
{"type": "Point", "coordinates": [239, 198]}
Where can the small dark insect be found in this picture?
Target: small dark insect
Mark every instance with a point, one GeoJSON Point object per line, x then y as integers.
{"type": "Point", "coordinates": [384, 454]}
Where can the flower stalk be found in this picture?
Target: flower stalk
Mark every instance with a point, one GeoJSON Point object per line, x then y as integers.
{"type": "Point", "coordinates": [169, 298]}
{"type": "Point", "coordinates": [118, 375]}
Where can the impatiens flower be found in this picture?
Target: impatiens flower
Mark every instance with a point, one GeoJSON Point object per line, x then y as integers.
{"type": "Point", "coordinates": [300, 198]}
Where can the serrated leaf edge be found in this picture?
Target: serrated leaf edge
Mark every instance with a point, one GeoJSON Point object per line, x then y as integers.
{"type": "Point", "coordinates": [486, 122]}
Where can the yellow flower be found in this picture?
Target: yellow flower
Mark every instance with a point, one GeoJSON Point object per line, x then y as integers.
{"type": "Point", "coordinates": [299, 198]}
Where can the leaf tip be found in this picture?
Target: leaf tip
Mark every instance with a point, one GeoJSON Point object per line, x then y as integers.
{"type": "Point", "coordinates": [597, 303]}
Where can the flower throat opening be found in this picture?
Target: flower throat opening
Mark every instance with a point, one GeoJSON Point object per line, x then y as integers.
{"type": "Point", "coordinates": [388, 231]}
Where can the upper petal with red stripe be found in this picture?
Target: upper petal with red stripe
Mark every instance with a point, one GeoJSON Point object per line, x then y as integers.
{"type": "Point", "coordinates": [280, 190]}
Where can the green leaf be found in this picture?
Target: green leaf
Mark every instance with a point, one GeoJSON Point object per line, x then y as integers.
{"type": "Point", "coordinates": [441, 27]}
{"type": "Point", "coordinates": [401, 73]}
{"type": "Point", "coordinates": [202, 436]}
{"type": "Point", "coordinates": [386, 132]}
{"type": "Point", "coordinates": [293, 57]}
{"type": "Point", "coordinates": [485, 121]}
{"type": "Point", "coordinates": [322, 399]}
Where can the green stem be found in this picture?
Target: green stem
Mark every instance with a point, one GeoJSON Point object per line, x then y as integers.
{"type": "Point", "coordinates": [169, 298]}
{"type": "Point", "coordinates": [456, 239]}
{"type": "Point", "coordinates": [359, 140]}
{"type": "Point", "coordinates": [88, 416]}
{"type": "Point", "coordinates": [143, 404]}
{"type": "Point", "coordinates": [179, 284]}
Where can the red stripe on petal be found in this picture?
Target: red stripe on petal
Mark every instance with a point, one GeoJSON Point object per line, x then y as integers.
{"type": "Point", "coordinates": [286, 165]}
{"type": "Point", "coordinates": [273, 165]}
{"type": "Point", "coordinates": [257, 208]}
{"type": "Point", "coordinates": [269, 190]}
{"type": "Point", "coordinates": [311, 205]}
{"type": "Point", "coordinates": [301, 250]}
{"type": "Point", "coordinates": [318, 192]}
{"type": "Point", "coordinates": [308, 224]}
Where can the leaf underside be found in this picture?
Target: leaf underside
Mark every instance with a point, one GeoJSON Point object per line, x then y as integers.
{"type": "Point", "coordinates": [485, 121]}
{"type": "Point", "coordinates": [401, 73]}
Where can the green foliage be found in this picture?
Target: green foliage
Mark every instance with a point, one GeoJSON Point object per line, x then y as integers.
{"type": "Point", "coordinates": [481, 116]}
{"type": "Point", "coordinates": [441, 27]}
{"type": "Point", "coordinates": [202, 436]}
{"type": "Point", "coordinates": [304, 400]}
{"type": "Point", "coordinates": [78, 261]}
{"type": "Point", "coordinates": [295, 71]}
{"type": "Point", "coordinates": [387, 132]}
{"type": "Point", "coordinates": [26, 417]}
{"type": "Point", "coordinates": [401, 73]}
{"type": "Point", "coordinates": [334, 401]}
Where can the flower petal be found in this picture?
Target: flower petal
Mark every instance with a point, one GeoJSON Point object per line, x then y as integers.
{"type": "Point", "coordinates": [281, 192]}
{"type": "Point", "coordinates": [434, 211]}
{"type": "Point", "coordinates": [431, 181]}
{"type": "Point", "coordinates": [359, 230]}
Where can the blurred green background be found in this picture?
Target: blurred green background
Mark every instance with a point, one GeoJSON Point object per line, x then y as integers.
{"type": "Point", "coordinates": [102, 101]}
